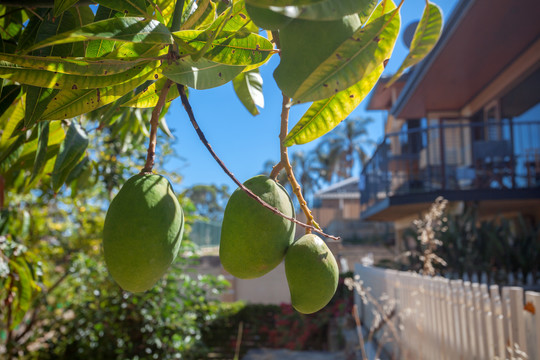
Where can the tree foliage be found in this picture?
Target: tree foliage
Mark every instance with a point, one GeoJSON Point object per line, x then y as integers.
{"type": "Point", "coordinates": [78, 85]}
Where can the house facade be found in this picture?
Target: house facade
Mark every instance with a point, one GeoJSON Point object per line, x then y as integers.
{"type": "Point", "coordinates": [465, 122]}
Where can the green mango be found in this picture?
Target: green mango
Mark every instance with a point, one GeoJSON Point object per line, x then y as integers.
{"type": "Point", "coordinates": [254, 239]}
{"type": "Point", "coordinates": [312, 274]}
{"type": "Point", "coordinates": [305, 45]}
{"type": "Point", "coordinates": [142, 232]}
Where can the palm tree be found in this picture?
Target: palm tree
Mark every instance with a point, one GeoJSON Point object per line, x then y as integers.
{"type": "Point", "coordinates": [344, 148]}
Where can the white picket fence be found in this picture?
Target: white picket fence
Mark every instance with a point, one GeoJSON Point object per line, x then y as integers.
{"type": "Point", "coordinates": [437, 318]}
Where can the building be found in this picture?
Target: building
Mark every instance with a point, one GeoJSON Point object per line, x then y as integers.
{"type": "Point", "coordinates": [465, 122]}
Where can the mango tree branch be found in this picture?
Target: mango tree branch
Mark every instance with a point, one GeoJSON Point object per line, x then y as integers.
{"type": "Point", "coordinates": [202, 137]}
{"type": "Point", "coordinates": [275, 170]}
{"type": "Point", "coordinates": [287, 164]}
{"type": "Point", "coordinates": [151, 154]}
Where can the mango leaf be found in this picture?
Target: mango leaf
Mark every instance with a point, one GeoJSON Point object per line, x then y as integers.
{"type": "Point", "coordinates": [49, 28]}
{"type": "Point", "coordinates": [248, 88]}
{"type": "Point", "coordinates": [383, 8]}
{"type": "Point", "coordinates": [329, 10]}
{"type": "Point", "coordinates": [356, 56]}
{"type": "Point", "coordinates": [24, 290]}
{"type": "Point", "coordinates": [166, 10]}
{"type": "Point", "coordinates": [37, 99]}
{"type": "Point", "coordinates": [28, 37]}
{"type": "Point", "coordinates": [231, 48]}
{"type": "Point", "coordinates": [71, 150]}
{"type": "Point", "coordinates": [127, 29]}
{"type": "Point", "coordinates": [10, 120]}
{"type": "Point", "coordinates": [11, 22]}
{"type": "Point", "coordinates": [101, 47]}
{"type": "Point", "coordinates": [201, 74]}
{"type": "Point", "coordinates": [268, 3]}
{"type": "Point", "coordinates": [127, 7]}
{"type": "Point", "coordinates": [235, 18]}
{"type": "Point", "coordinates": [8, 95]}
{"type": "Point", "coordinates": [163, 123]}
{"type": "Point", "coordinates": [55, 80]}
{"type": "Point", "coordinates": [70, 103]}
{"type": "Point", "coordinates": [62, 5]}
{"type": "Point", "coordinates": [41, 151]}
{"type": "Point", "coordinates": [267, 18]}
{"type": "Point", "coordinates": [324, 115]}
{"type": "Point", "coordinates": [149, 97]}
{"type": "Point", "coordinates": [425, 37]}
{"type": "Point", "coordinates": [73, 66]}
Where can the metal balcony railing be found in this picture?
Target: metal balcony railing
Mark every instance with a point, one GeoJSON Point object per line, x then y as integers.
{"type": "Point", "coordinates": [457, 156]}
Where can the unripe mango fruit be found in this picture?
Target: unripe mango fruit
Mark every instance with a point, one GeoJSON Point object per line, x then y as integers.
{"type": "Point", "coordinates": [142, 232]}
{"type": "Point", "coordinates": [312, 274]}
{"type": "Point", "coordinates": [253, 238]}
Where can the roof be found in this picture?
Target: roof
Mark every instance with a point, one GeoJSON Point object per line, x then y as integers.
{"type": "Point", "coordinates": [345, 189]}
{"type": "Point", "coordinates": [481, 39]}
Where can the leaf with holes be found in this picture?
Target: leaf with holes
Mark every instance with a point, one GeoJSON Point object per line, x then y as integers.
{"type": "Point", "coordinates": [70, 103]}
{"type": "Point", "coordinates": [248, 88]}
{"type": "Point", "coordinates": [72, 66]}
{"type": "Point", "coordinates": [324, 115]}
{"type": "Point", "coordinates": [71, 151]}
{"type": "Point", "coordinates": [231, 48]}
{"type": "Point", "coordinates": [127, 29]}
{"type": "Point", "coordinates": [56, 80]}
{"type": "Point", "coordinates": [149, 97]}
{"type": "Point", "coordinates": [351, 61]}
{"type": "Point", "coordinates": [201, 74]}
{"type": "Point", "coordinates": [425, 37]}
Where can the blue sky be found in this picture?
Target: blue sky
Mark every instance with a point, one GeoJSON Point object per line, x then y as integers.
{"type": "Point", "coordinates": [245, 142]}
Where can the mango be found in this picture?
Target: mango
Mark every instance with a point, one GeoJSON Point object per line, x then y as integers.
{"type": "Point", "coordinates": [305, 45]}
{"type": "Point", "coordinates": [312, 274]}
{"type": "Point", "coordinates": [254, 239]}
{"type": "Point", "coordinates": [142, 232]}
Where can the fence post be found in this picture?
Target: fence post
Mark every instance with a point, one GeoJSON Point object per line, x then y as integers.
{"type": "Point", "coordinates": [532, 323]}
{"type": "Point", "coordinates": [500, 335]}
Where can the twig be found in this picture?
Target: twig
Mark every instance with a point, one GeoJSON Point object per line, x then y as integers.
{"type": "Point", "coordinates": [189, 111]}
{"type": "Point", "coordinates": [359, 331]}
{"type": "Point", "coordinates": [239, 340]}
{"type": "Point", "coordinates": [275, 170]}
{"type": "Point", "coordinates": [287, 164]}
{"type": "Point", "coordinates": [150, 156]}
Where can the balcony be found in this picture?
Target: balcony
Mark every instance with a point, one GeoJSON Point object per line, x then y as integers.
{"type": "Point", "coordinates": [461, 161]}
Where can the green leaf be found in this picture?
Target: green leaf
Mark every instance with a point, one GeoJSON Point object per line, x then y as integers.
{"type": "Point", "coordinates": [56, 80]}
{"type": "Point", "coordinates": [329, 10]}
{"type": "Point", "coordinates": [71, 150]}
{"type": "Point", "coordinates": [37, 99]}
{"type": "Point", "coordinates": [101, 47]}
{"type": "Point", "coordinates": [73, 66]}
{"type": "Point", "coordinates": [127, 7]}
{"type": "Point", "coordinates": [324, 115]}
{"type": "Point", "coordinates": [269, 3]}
{"type": "Point", "coordinates": [358, 55]}
{"type": "Point", "coordinates": [425, 37]}
{"type": "Point", "coordinates": [266, 18]}
{"type": "Point", "coordinates": [24, 290]}
{"type": "Point", "coordinates": [62, 5]}
{"type": "Point", "coordinates": [202, 74]}
{"type": "Point", "coordinates": [9, 122]}
{"type": "Point", "coordinates": [8, 96]}
{"type": "Point", "coordinates": [127, 29]}
{"type": "Point", "coordinates": [49, 28]}
{"type": "Point", "coordinates": [70, 103]}
{"type": "Point", "coordinates": [248, 88]}
{"type": "Point", "coordinates": [41, 152]}
{"type": "Point", "coordinates": [231, 48]}
{"type": "Point", "coordinates": [149, 97]}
